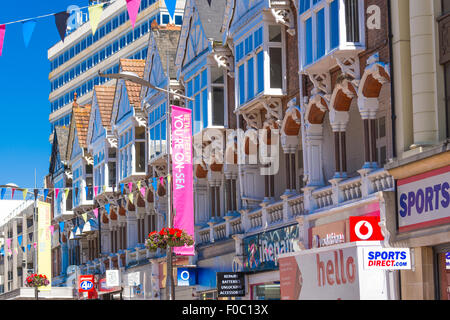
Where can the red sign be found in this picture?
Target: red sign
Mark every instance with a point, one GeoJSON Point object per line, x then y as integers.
{"type": "Point", "coordinates": [365, 228]}
{"type": "Point", "coordinates": [86, 283]}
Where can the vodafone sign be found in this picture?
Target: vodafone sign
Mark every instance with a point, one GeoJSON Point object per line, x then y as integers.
{"type": "Point", "coordinates": [365, 229]}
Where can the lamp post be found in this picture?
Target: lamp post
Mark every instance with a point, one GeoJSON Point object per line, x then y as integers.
{"type": "Point", "coordinates": [130, 76]}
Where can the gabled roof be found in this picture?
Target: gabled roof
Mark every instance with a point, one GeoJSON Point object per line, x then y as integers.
{"type": "Point", "coordinates": [211, 17]}
{"type": "Point", "coordinates": [62, 136]}
{"type": "Point", "coordinates": [105, 101]}
{"type": "Point", "coordinates": [80, 117]}
{"type": "Point", "coordinates": [133, 89]}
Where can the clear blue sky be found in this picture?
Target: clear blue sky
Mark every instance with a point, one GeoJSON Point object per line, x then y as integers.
{"type": "Point", "coordinates": [24, 91]}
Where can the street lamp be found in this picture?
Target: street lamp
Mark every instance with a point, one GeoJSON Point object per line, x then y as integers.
{"type": "Point", "coordinates": [130, 76]}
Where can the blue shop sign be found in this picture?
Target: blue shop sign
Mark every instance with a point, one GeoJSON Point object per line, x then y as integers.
{"type": "Point", "coordinates": [261, 250]}
{"type": "Point", "coordinates": [186, 277]}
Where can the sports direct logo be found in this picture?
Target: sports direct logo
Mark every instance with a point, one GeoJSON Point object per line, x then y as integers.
{"type": "Point", "coordinates": [365, 229]}
{"type": "Point", "coordinates": [393, 259]}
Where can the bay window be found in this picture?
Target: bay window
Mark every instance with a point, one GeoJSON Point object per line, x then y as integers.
{"type": "Point", "coordinates": [326, 25]}
{"type": "Point", "coordinates": [139, 149]}
{"type": "Point", "coordinates": [157, 126]}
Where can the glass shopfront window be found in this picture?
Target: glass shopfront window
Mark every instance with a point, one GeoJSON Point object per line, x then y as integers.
{"type": "Point", "coordinates": [266, 291]}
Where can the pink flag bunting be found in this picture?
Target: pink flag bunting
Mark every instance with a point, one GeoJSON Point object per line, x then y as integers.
{"type": "Point", "coordinates": [2, 36]}
{"type": "Point", "coordinates": [133, 8]}
{"type": "Point", "coordinates": [95, 191]}
{"type": "Point", "coordinates": [143, 191]}
{"type": "Point", "coordinates": [12, 192]}
{"type": "Point", "coordinates": [56, 192]}
{"type": "Point", "coordinates": [96, 212]}
{"type": "Point", "coordinates": [8, 241]}
{"type": "Point", "coordinates": [161, 180]}
{"type": "Point", "coordinates": [52, 229]}
{"type": "Point", "coordinates": [35, 245]}
{"type": "Point", "coordinates": [130, 186]}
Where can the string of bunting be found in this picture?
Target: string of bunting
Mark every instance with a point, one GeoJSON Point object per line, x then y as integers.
{"type": "Point", "coordinates": [61, 18]}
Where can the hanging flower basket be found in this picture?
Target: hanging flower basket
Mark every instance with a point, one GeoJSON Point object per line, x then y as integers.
{"type": "Point", "coordinates": [37, 280]}
{"type": "Point", "coordinates": [171, 237]}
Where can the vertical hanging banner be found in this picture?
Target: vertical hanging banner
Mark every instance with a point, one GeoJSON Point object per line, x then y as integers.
{"type": "Point", "coordinates": [133, 9]}
{"type": "Point", "coordinates": [44, 242]}
{"type": "Point", "coordinates": [2, 37]}
{"type": "Point", "coordinates": [182, 172]}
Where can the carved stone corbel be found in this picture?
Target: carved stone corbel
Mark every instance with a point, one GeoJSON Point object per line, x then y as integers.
{"type": "Point", "coordinates": [285, 17]}
{"type": "Point", "coordinates": [225, 60]}
{"type": "Point", "coordinates": [322, 83]}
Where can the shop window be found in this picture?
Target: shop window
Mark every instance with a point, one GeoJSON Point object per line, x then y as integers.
{"type": "Point", "coordinates": [266, 292]}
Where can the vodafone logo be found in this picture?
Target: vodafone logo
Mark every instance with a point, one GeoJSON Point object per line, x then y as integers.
{"type": "Point", "coordinates": [363, 230]}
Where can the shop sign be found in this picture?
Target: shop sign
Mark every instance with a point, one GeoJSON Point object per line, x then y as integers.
{"type": "Point", "coordinates": [112, 278]}
{"type": "Point", "coordinates": [388, 259]}
{"type": "Point", "coordinates": [261, 250]}
{"type": "Point", "coordinates": [134, 279]}
{"type": "Point", "coordinates": [365, 229]}
{"type": "Point", "coordinates": [424, 200]}
{"type": "Point", "coordinates": [328, 234]}
{"type": "Point", "coordinates": [86, 283]}
{"type": "Point", "coordinates": [230, 284]}
{"type": "Point", "coordinates": [447, 261]}
{"type": "Point", "coordinates": [186, 277]}
{"type": "Point", "coordinates": [102, 287]}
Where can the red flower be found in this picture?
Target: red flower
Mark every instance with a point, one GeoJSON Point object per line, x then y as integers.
{"type": "Point", "coordinates": [171, 232]}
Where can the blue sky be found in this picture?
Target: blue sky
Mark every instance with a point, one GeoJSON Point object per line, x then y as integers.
{"type": "Point", "coordinates": [24, 91]}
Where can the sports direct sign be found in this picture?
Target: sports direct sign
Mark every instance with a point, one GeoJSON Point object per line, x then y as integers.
{"type": "Point", "coordinates": [424, 200]}
{"type": "Point", "coordinates": [389, 259]}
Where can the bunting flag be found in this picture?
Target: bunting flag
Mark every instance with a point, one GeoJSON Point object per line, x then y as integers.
{"type": "Point", "coordinates": [61, 226]}
{"type": "Point", "coordinates": [209, 2]}
{"type": "Point", "coordinates": [35, 245]}
{"type": "Point", "coordinates": [28, 28]}
{"type": "Point", "coordinates": [143, 191]}
{"type": "Point", "coordinates": [95, 191]}
{"type": "Point", "coordinates": [121, 188]}
{"type": "Point", "coordinates": [95, 13]}
{"type": "Point", "coordinates": [130, 186]}
{"type": "Point", "coordinates": [161, 180]}
{"type": "Point", "coordinates": [84, 215]}
{"type": "Point", "coordinates": [46, 194]}
{"type": "Point", "coordinates": [52, 229]}
{"type": "Point", "coordinates": [171, 4]}
{"type": "Point", "coordinates": [87, 191]}
{"type": "Point", "coordinates": [8, 242]}
{"type": "Point", "coordinates": [36, 193]}
{"type": "Point", "coordinates": [169, 178]}
{"type": "Point", "coordinates": [23, 249]}
{"type": "Point", "coordinates": [76, 192]}
{"type": "Point", "coordinates": [24, 194]}
{"type": "Point", "coordinates": [107, 207]}
{"type": "Point", "coordinates": [61, 23]}
{"type": "Point", "coordinates": [138, 185]}
{"type": "Point", "coordinates": [130, 197]}
{"type": "Point", "coordinates": [29, 247]}
{"type": "Point", "coordinates": [104, 189]}
{"type": "Point", "coordinates": [15, 250]}
{"type": "Point", "coordinates": [12, 192]}
{"type": "Point", "coordinates": [96, 212]}
{"type": "Point", "coordinates": [19, 240]}
{"type": "Point", "coordinates": [133, 8]}
{"type": "Point", "coordinates": [155, 184]}
{"type": "Point", "coordinates": [56, 193]}
{"type": "Point", "coordinates": [66, 192]}
{"type": "Point", "coordinates": [2, 37]}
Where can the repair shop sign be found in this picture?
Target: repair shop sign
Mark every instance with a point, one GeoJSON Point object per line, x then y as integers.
{"type": "Point", "coordinates": [389, 259]}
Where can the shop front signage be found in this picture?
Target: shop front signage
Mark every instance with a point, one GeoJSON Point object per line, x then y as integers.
{"type": "Point", "coordinates": [447, 260]}
{"type": "Point", "coordinates": [424, 200]}
{"type": "Point", "coordinates": [261, 250]}
{"type": "Point", "coordinates": [330, 273]}
{"type": "Point", "coordinates": [389, 259]}
{"type": "Point", "coordinates": [112, 278]}
{"type": "Point", "coordinates": [186, 277]}
{"type": "Point", "coordinates": [365, 229]}
{"type": "Point", "coordinates": [230, 284]}
{"type": "Point", "coordinates": [328, 234]}
{"type": "Point", "coordinates": [86, 283]}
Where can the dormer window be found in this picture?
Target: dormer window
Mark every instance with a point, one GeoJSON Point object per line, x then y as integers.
{"type": "Point", "coordinates": [259, 62]}
{"type": "Point", "coordinates": [329, 25]}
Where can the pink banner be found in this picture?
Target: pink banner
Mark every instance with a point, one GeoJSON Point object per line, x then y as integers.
{"type": "Point", "coordinates": [2, 36]}
{"type": "Point", "coordinates": [182, 172]}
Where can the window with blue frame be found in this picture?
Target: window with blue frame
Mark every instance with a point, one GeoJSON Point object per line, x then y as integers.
{"type": "Point", "coordinates": [157, 127]}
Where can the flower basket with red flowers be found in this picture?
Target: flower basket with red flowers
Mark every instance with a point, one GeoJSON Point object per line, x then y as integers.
{"type": "Point", "coordinates": [37, 280]}
{"type": "Point", "coordinates": [171, 237]}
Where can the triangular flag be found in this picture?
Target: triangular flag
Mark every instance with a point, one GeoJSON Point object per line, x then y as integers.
{"type": "Point", "coordinates": [2, 193]}
{"type": "Point", "coordinates": [23, 249]}
{"type": "Point", "coordinates": [95, 212]}
{"type": "Point", "coordinates": [84, 215]}
{"type": "Point", "coordinates": [121, 188]}
{"type": "Point", "coordinates": [95, 191]}
{"type": "Point", "coordinates": [35, 245]}
{"type": "Point", "coordinates": [19, 239]}
{"type": "Point", "coordinates": [130, 186]}
{"type": "Point", "coordinates": [8, 242]}
{"type": "Point", "coordinates": [143, 191]}
{"type": "Point", "coordinates": [52, 229]}
{"type": "Point", "coordinates": [56, 193]}
{"type": "Point", "coordinates": [2, 37]}
{"type": "Point", "coordinates": [133, 8]}
{"type": "Point", "coordinates": [107, 207]}
{"type": "Point", "coordinates": [61, 226]}
{"type": "Point", "coordinates": [130, 197]}
{"type": "Point", "coordinates": [87, 191]}
{"type": "Point", "coordinates": [29, 247]}
{"type": "Point", "coordinates": [104, 189]}
{"type": "Point", "coordinates": [36, 193]}
{"type": "Point", "coordinates": [171, 4]}
{"type": "Point", "coordinates": [209, 2]}
{"type": "Point", "coordinates": [28, 28]}
{"type": "Point", "coordinates": [95, 13]}
{"type": "Point", "coordinates": [12, 192]}
{"type": "Point", "coordinates": [45, 194]}
{"type": "Point", "coordinates": [169, 178]}
{"type": "Point", "coordinates": [66, 192]}
{"type": "Point", "coordinates": [24, 193]}
{"type": "Point", "coordinates": [138, 185]}
{"type": "Point", "coordinates": [155, 184]}
{"type": "Point", "coordinates": [15, 250]}
{"type": "Point", "coordinates": [76, 192]}
{"type": "Point", "coordinates": [61, 23]}
{"type": "Point", "coordinates": [161, 180]}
